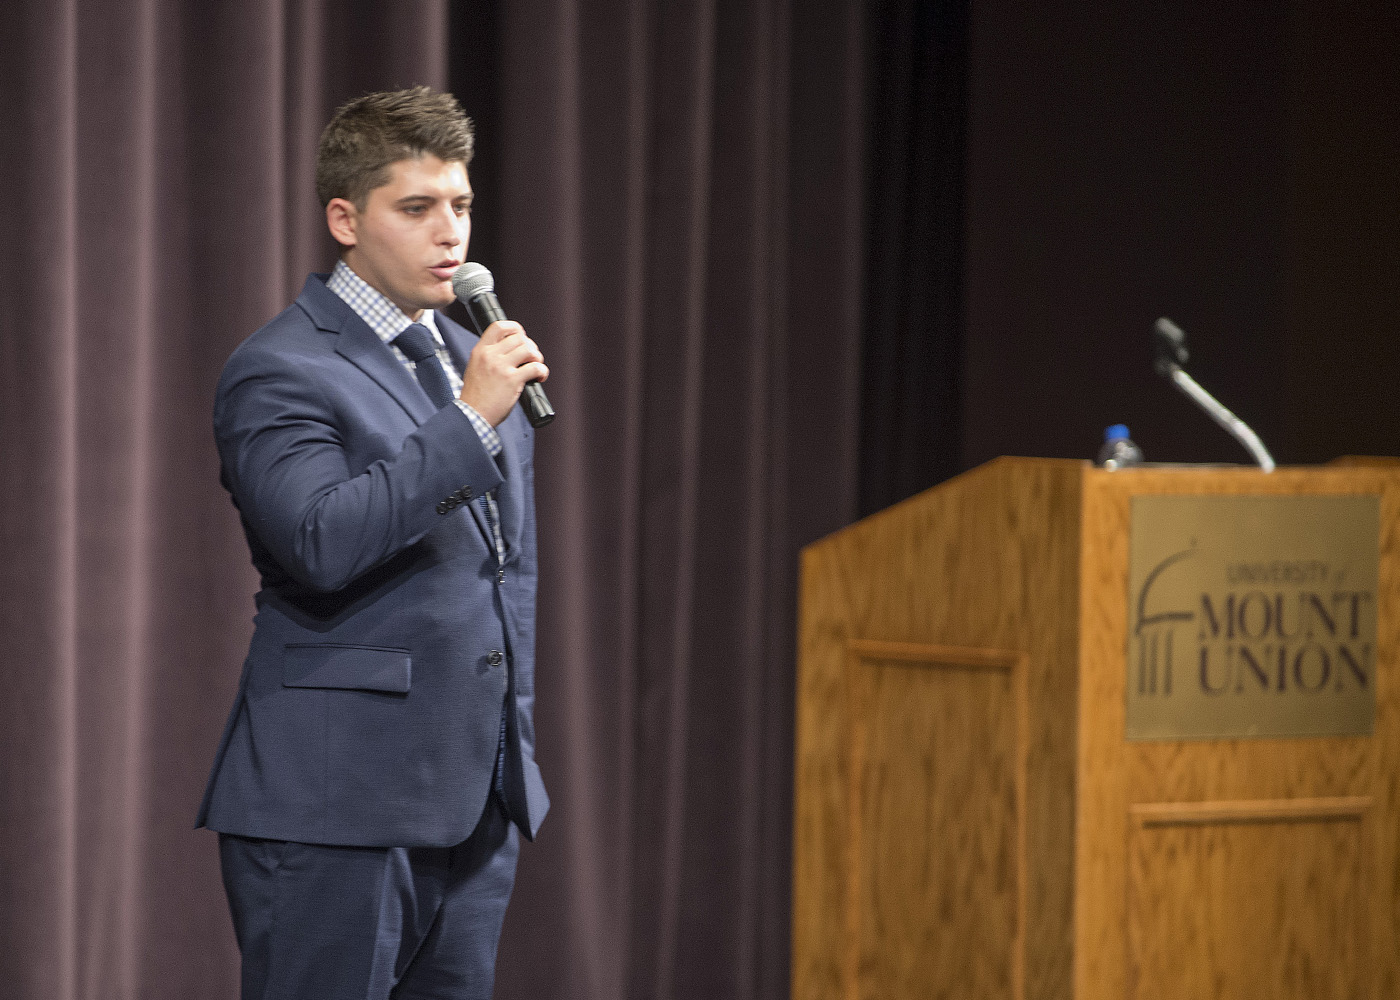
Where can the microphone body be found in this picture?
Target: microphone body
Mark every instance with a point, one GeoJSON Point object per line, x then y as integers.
{"type": "Point", "coordinates": [1169, 341]}
{"type": "Point", "coordinates": [476, 288]}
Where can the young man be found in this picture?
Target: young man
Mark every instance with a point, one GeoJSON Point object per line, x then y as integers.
{"type": "Point", "coordinates": [380, 752]}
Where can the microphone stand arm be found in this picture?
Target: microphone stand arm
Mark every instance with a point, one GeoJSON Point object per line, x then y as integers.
{"type": "Point", "coordinates": [1221, 414]}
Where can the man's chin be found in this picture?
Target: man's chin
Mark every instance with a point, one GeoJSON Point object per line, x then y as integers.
{"type": "Point", "coordinates": [441, 297]}
{"type": "Point", "coordinates": [436, 299]}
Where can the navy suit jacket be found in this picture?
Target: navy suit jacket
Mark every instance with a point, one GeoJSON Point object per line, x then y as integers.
{"type": "Point", "coordinates": [386, 639]}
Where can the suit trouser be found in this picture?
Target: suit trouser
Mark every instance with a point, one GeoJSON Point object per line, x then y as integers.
{"type": "Point", "coordinates": [318, 921]}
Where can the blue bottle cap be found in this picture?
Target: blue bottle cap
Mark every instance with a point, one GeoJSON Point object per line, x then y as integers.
{"type": "Point", "coordinates": [1118, 432]}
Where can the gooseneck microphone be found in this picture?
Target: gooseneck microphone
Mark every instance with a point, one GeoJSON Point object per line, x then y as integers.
{"type": "Point", "coordinates": [476, 288]}
{"type": "Point", "coordinates": [1169, 350]}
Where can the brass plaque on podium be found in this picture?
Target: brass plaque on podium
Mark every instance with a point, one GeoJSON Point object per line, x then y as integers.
{"type": "Point", "coordinates": [1252, 616]}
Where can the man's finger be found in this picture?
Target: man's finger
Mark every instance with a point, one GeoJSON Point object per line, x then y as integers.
{"type": "Point", "coordinates": [500, 330]}
{"type": "Point", "coordinates": [525, 350]}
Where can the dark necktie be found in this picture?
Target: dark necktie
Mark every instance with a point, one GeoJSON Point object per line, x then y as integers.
{"type": "Point", "coordinates": [418, 346]}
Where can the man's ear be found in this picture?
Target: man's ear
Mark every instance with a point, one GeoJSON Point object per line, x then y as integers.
{"type": "Point", "coordinates": [341, 219]}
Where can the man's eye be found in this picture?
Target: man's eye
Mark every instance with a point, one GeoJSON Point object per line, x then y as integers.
{"type": "Point", "coordinates": [414, 209]}
{"type": "Point", "coordinates": [464, 210]}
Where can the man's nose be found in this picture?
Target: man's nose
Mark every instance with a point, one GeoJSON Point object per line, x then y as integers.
{"type": "Point", "coordinates": [447, 231]}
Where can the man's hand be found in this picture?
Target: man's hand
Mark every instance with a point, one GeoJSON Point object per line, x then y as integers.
{"type": "Point", "coordinates": [501, 363]}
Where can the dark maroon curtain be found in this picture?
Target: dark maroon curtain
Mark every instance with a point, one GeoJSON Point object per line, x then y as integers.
{"type": "Point", "coordinates": [680, 229]}
{"type": "Point", "coordinates": [677, 219]}
{"type": "Point", "coordinates": [157, 207]}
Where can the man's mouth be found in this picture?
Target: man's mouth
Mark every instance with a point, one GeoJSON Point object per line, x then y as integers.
{"type": "Point", "coordinates": [445, 270]}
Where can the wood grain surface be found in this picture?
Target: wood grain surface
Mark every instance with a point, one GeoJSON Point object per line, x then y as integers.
{"type": "Point", "coordinates": [935, 838]}
{"type": "Point", "coordinates": [934, 620]}
{"type": "Point", "coordinates": [971, 822]}
{"type": "Point", "coordinates": [1176, 895]}
{"type": "Point", "coordinates": [1266, 905]}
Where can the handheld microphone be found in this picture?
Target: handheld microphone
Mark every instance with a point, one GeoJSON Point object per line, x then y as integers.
{"type": "Point", "coordinates": [476, 288]}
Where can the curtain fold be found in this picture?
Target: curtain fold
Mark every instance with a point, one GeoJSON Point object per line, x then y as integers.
{"type": "Point", "coordinates": [679, 208]}
{"type": "Point", "coordinates": [38, 485]}
{"type": "Point", "coordinates": [158, 209]}
{"type": "Point", "coordinates": [912, 397]}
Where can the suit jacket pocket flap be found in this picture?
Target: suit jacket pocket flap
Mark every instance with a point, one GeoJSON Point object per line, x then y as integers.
{"type": "Point", "coordinates": [360, 668]}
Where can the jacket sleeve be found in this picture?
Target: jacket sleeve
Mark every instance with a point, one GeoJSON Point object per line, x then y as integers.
{"type": "Point", "coordinates": [286, 464]}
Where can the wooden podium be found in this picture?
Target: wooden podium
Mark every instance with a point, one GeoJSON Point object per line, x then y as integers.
{"type": "Point", "coordinates": [971, 819]}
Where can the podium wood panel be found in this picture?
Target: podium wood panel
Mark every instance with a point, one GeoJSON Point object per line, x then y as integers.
{"type": "Point", "coordinates": [1283, 877]}
{"type": "Point", "coordinates": [933, 572]}
{"type": "Point", "coordinates": [912, 901]}
{"type": "Point", "coordinates": [970, 820]}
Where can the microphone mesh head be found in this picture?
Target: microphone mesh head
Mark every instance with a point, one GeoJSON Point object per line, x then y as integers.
{"type": "Point", "coordinates": [470, 280]}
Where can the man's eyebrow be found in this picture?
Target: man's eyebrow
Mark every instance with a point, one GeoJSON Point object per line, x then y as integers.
{"type": "Point", "coordinates": [409, 199]}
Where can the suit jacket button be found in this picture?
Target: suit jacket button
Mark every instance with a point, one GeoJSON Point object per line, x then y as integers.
{"type": "Point", "coordinates": [466, 492]}
{"type": "Point", "coordinates": [442, 507]}
{"type": "Point", "coordinates": [494, 657]}
{"type": "Point", "coordinates": [500, 576]}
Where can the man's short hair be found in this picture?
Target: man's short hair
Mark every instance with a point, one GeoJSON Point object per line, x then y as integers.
{"type": "Point", "coordinates": [368, 134]}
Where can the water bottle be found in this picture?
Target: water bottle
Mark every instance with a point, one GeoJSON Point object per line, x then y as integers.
{"type": "Point", "coordinates": [1118, 451]}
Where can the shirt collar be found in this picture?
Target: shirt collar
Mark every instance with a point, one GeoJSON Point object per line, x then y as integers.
{"type": "Point", "coordinates": [373, 306]}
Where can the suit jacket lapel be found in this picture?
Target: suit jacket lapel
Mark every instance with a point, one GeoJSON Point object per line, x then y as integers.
{"type": "Point", "coordinates": [361, 346]}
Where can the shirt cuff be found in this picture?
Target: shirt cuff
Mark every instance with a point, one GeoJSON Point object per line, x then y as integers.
{"type": "Point", "coordinates": [490, 440]}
